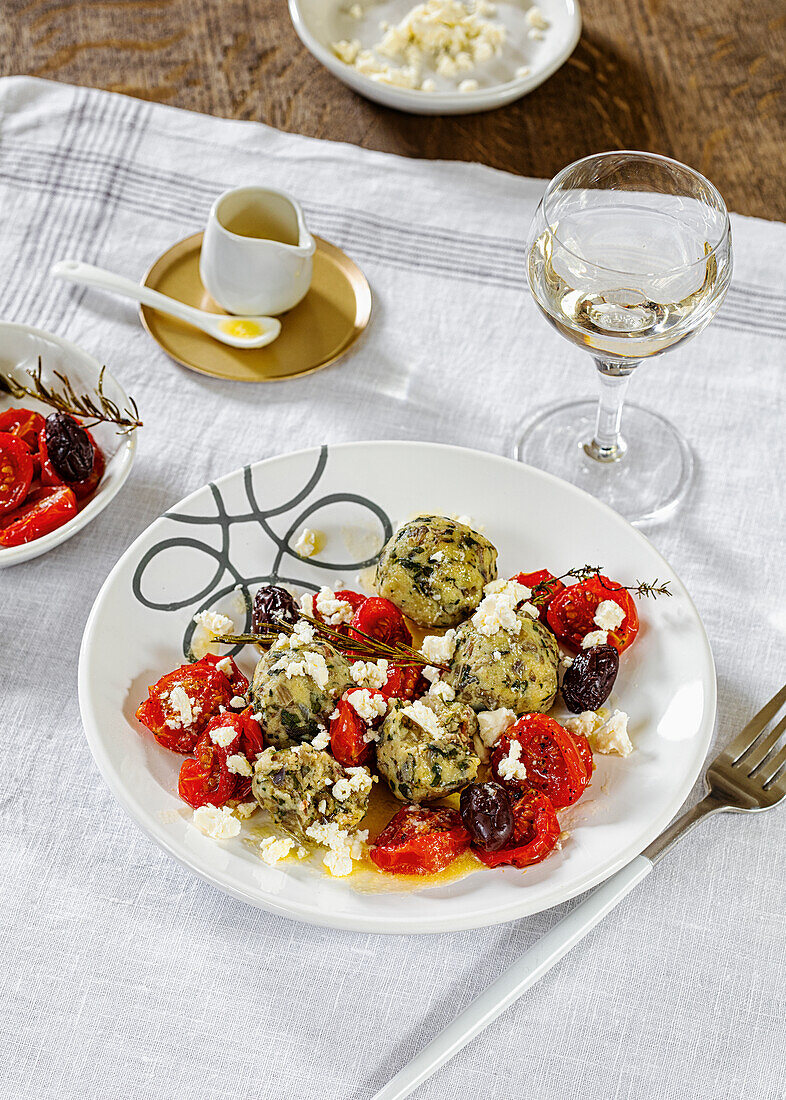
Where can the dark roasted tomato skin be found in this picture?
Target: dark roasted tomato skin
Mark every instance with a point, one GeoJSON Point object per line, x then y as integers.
{"type": "Point", "coordinates": [535, 832]}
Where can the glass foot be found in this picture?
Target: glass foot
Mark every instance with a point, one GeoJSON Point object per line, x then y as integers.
{"type": "Point", "coordinates": [647, 482]}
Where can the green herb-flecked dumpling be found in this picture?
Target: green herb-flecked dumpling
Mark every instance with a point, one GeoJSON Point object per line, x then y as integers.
{"type": "Point", "coordinates": [294, 690]}
{"type": "Point", "coordinates": [297, 787]}
{"type": "Point", "coordinates": [434, 569]}
{"type": "Point", "coordinates": [506, 669]}
{"type": "Point", "coordinates": [425, 749]}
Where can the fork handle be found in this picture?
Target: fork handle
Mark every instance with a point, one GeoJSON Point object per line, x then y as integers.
{"type": "Point", "coordinates": [517, 979]}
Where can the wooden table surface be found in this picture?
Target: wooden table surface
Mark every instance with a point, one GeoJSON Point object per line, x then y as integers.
{"type": "Point", "coordinates": [702, 81]}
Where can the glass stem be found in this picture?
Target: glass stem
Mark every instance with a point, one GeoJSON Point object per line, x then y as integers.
{"type": "Point", "coordinates": [607, 444]}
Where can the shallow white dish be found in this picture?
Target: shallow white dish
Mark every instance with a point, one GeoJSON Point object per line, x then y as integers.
{"type": "Point", "coordinates": [20, 347]}
{"type": "Point", "coordinates": [319, 23]}
{"type": "Point", "coordinates": [242, 529]}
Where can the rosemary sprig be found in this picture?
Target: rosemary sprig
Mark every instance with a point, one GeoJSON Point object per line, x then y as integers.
{"type": "Point", "coordinates": [97, 408]}
{"type": "Point", "coordinates": [359, 646]}
{"type": "Point", "coordinates": [582, 572]}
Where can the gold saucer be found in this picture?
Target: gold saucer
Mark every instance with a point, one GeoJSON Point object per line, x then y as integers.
{"type": "Point", "coordinates": [317, 332]}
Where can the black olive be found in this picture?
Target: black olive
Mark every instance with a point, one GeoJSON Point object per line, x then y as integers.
{"type": "Point", "coordinates": [487, 815]}
{"type": "Point", "coordinates": [69, 448]}
{"type": "Point", "coordinates": [271, 605]}
{"type": "Point", "coordinates": [588, 682]}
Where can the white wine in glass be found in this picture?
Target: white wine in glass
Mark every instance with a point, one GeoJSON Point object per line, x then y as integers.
{"type": "Point", "coordinates": [629, 254]}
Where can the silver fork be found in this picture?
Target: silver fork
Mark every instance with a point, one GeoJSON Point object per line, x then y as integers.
{"type": "Point", "coordinates": [747, 776]}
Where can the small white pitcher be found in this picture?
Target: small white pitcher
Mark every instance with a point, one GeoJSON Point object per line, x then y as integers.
{"type": "Point", "coordinates": [257, 254]}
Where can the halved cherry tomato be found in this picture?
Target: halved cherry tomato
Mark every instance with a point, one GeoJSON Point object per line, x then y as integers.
{"type": "Point", "coordinates": [237, 681]}
{"type": "Point", "coordinates": [404, 682]}
{"type": "Point", "coordinates": [420, 841]}
{"type": "Point", "coordinates": [206, 690]}
{"type": "Point", "coordinates": [535, 832]}
{"type": "Point", "coordinates": [348, 735]}
{"type": "Point", "coordinates": [571, 613]}
{"type": "Point", "coordinates": [584, 751]}
{"type": "Point", "coordinates": [23, 423]}
{"type": "Point", "coordinates": [543, 596]}
{"type": "Point", "coordinates": [548, 752]}
{"type": "Point", "coordinates": [82, 489]}
{"type": "Point", "coordinates": [206, 781]}
{"type": "Point", "coordinates": [379, 618]}
{"type": "Point", "coordinates": [354, 599]}
{"type": "Point", "coordinates": [16, 471]}
{"type": "Point", "coordinates": [214, 759]}
{"type": "Point", "coordinates": [43, 511]}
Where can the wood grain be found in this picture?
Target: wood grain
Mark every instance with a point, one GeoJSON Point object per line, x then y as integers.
{"type": "Point", "coordinates": [702, 81]}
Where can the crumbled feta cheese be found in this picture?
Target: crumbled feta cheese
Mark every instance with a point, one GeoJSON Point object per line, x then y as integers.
{"type": "Point", "coordinates": [223, 736]}
{"type": "Point", "coordinates": [245, 809]}
{"type": "Point", "coordinates": [369, 674]}
{"type": "Point", "coordinates": [238, 763]}
{"type": "Point", "coordinates": [510, 766]}
{"type": "Point", "coordinates": [322, 740]}
{"type": "Point", "coordinates": [609, 615]}
{"type": "Point", "coordinates": [215, 623]}
{"type": "Point", "coordinates": [605, 735]}
{"type": "Point", "coordinates": [493, 724]}
{"type": "Point", "coordinates": [535, 34]}
{"type": "Point", "coordinates": [566, 661]}
{"type": "Point", "coordinates": [424, 717]}
{"type": "Point", "coordinates": [310, 664]}
{"type": "Point", "coordinates": [343, 847]}
{"type": "Point", "coordinates": [439, 649]}
{"type": "Point", "coordinates": [468, 86]}
{"type": "Point", "coordinates": [497, 609]}
{"type": "Point", "coordinates": [273, 849]}
{"type": "Point", "coordinates": [237, 702]}
{"type": "Point", "coordinates": [307, 604]}
{"type": "Point", "coordinates": [186, 709]}
{"type": "Point", "coordinates": [368, 705]}
{"type": "Point", "coordinates": [522, 71]}
{"type": "Point", "coordinates": [220, 824]}
{"type": "Point", "coordinates": [356, 11]}
{"type": "Point", "coordinates": [595, 637]}
{"type": "Point", "coordinates": [225, 666]}
{"type": "Point", "coordinates": [438, 555]}
{"type": "Point", "coordinates": [428, 85]}
{"type": "Point", "coordinates": [535, 18]}
{"type": "Point", "coordinates": [311, 542]}
{"type": "Point", "coordinates": [440, 690]}
{"type": "Point", "coordinates": [357, 779]}
{"type": "Point", "coordinates": [322, 807]}
{"type": "Point", "coordinates": [451, 36]}
{"type": "Point", "coordinates": [333, 611]}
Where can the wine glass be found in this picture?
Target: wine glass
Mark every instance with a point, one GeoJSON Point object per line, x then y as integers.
{"type": "Point", "coordinates": [628, 255]}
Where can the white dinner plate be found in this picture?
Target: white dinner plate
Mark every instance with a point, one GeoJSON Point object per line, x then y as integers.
{"type": "Point", "coordinates": [320, 23]}
{"type": "Point", "coordinates": [20, 348]}
{"type": "Point", "coordinates": [241, 530]}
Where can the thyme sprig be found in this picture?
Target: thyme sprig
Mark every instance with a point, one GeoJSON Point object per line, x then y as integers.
{"type": "Point", "coordinates": [359, 646]}
{"type": "Point", "coordinates": [96, 407]}
{"type": "Point", "coordinates": [644, 589]}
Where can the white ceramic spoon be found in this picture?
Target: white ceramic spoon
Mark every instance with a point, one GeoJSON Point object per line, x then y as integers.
{"type": "Point", "coordinates": [238, 332]}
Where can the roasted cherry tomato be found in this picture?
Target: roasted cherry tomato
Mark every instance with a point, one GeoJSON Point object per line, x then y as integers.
{"type": "Point", "coordinates": [237, 681]}
{"type": "Point", "coordinates": [548, 752]}
{"type": "Point", "coordinates": [51, 474]}
{"type": "Point", "coordinates": [16, 471]}
{"type": "Point", "coordinates": [585, 752]}
{"type": "Point", "coordinates": [213, 758]}
{"type": "Point", "coordinates": [571, 613]}
{"type": "Point", "coordinates": [43, 511]}
{"type": "Point", "coordinates": [177, 723]}
{"type": "Point", "coordinates": [206, 781]}
{"type": "Point", "coordinates": [535, 832]}
{"type": "Point", "coordinates": [404, 682]}
{"type": "Point", "coordinates": [420, 841]}
{"type": "Point", "coordinates": [348, 735]}
{"type": "Point", "coordinates": [248, 738]}
{"type": "Point", "coordinates": [379, 618]}
{"type": "Point", "coordinates": [543, 596]}
{"type": "Point", "coordinates": [23, 423]}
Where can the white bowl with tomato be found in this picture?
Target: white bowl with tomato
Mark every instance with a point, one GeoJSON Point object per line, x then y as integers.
{"type": "Point", "coordinates": [58, 470]}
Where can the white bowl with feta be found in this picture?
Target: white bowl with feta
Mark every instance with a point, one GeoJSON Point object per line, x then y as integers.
{"type": "Point", "coordinates": [439, 57]}
{"type": "Point", "coordinates": [354, 495]}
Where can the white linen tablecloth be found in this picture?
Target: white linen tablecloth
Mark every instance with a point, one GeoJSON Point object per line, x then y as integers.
{"type": "Point", "coordinates": [122, 974]}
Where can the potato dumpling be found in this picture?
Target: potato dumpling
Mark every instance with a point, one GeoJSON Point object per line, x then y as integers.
{"type": "Point", "coordinates": [297, 788]}
{"type": "Point", "coordinates": [517, 671]}
{"type": "Point", "coordinates": [434, 569]}
{"type": "Point", "coordinates": [295, 689]}
{"type": "Point", "coordinates": [425, 749]}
